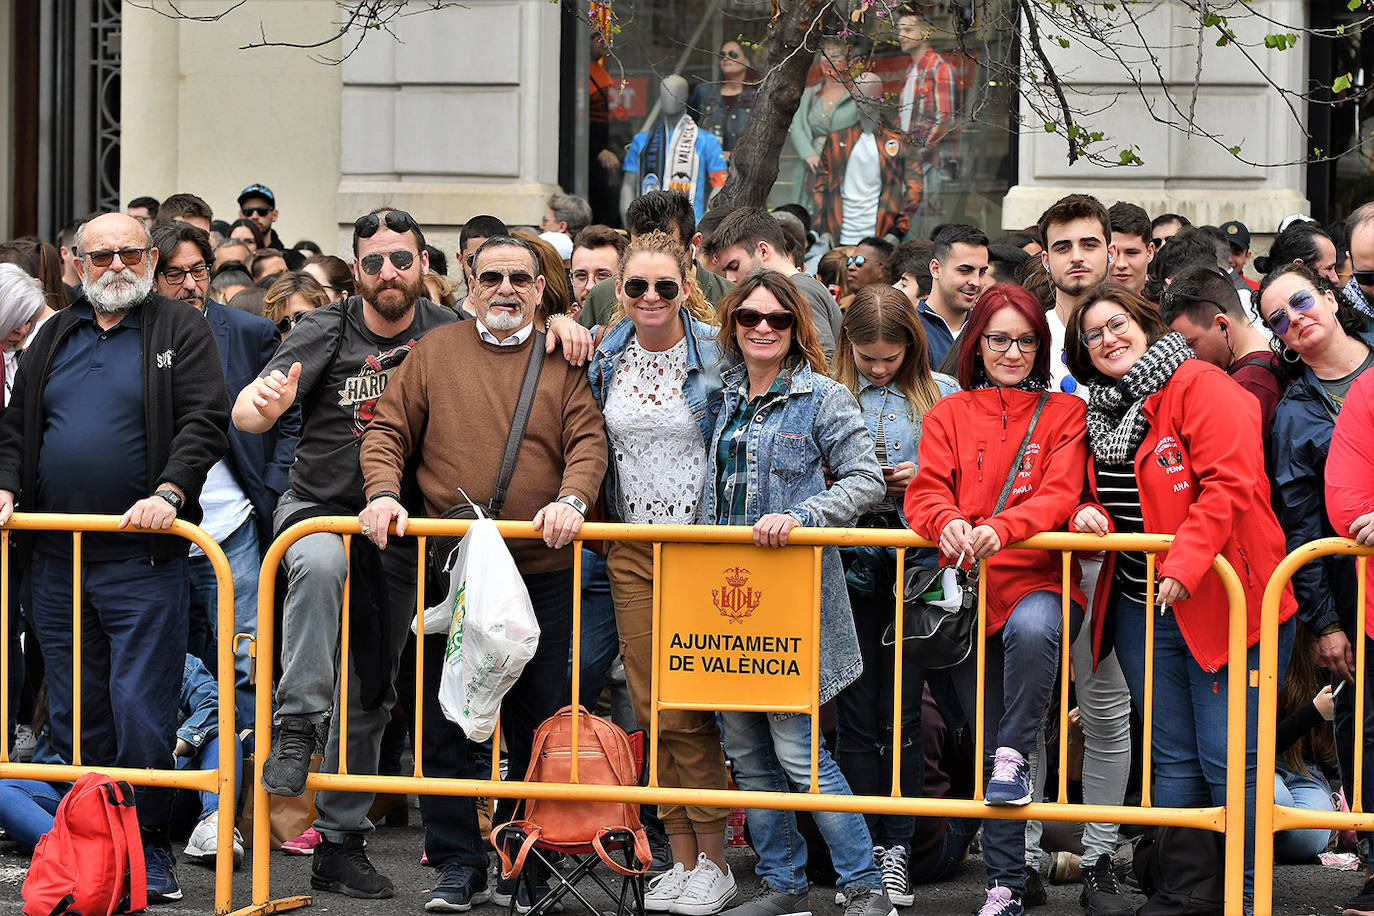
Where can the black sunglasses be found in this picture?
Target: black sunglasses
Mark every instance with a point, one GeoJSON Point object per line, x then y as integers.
{"type": "Point", "coordinates": [750, 318]}
{"type": "Point", "coordinates": [520, 280]}
{"type": "Point", "coordinates": [638, 286]}
{"type": "Point", "coordinates": [255, 211]}
{"type": "Point", "coordinates": [365, 227]}
{"type": "Point", "coordinates": [288, 322]}
{"type": "Point", "coordinates": [1363, 277]}
{"type": "Point", "coordinates": [104, 257]}
{"type": "Point", "coordinates": [400, 259]}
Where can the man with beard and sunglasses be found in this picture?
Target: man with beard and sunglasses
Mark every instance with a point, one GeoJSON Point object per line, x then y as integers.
{"type": "Point", "coordinates": [119, 408]}
{"type": "Point", "coordinates": [449, 410]}
{"type": "Point", "coordinates": [336, 364]}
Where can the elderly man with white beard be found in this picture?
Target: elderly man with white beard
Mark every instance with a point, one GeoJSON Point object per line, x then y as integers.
{"type": "Point", "coordinates": [119, 408]}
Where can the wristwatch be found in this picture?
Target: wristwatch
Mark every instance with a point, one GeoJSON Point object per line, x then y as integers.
{"type": "Point", "coordinates": [172, 498]}
{"type": "Point", "coordinates": [576, 503]}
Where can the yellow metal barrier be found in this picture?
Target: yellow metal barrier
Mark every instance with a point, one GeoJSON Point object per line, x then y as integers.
{"type": "Point", "coordinates": [219, 780]}
{"type": "Point", "coordinates": [1269, 817]}
{"type": "Point", "coordinates": [740, 540]}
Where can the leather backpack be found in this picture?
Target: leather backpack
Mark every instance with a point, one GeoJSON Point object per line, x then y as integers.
{"type": "Point", "coordinates": [605, 757]}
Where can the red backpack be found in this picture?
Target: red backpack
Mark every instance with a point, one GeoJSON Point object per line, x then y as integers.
{"type": "Point", "coordinates": [92, 858]}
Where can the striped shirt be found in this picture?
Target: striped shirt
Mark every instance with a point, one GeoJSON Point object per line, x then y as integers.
{"type": "Point", "coordinates": [1119, 494]}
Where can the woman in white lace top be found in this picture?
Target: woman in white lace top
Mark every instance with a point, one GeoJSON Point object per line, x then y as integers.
{"type": "Point", "coordinates": [656, 375]}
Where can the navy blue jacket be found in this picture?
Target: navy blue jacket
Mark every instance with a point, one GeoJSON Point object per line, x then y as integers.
{"type": "Point", "coordinates": [1301, 436]}
{"type": "Point", "coordinates": [259, 462]}
{"type": "Point", "coordinates": [939, 340]}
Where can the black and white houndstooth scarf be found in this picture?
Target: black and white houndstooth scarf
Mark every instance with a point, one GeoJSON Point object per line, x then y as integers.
{"type": "Point", "coordinates": [1116, 418]}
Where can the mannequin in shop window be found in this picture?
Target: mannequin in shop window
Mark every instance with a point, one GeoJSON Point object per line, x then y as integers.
{"type": "Point", "coordinates": [673, 154]}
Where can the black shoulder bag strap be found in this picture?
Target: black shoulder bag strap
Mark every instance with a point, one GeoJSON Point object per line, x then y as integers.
{"type": "Point", "coordinates": [1020, 453]}
{"type": "Point", "coordinates": [523, 406]}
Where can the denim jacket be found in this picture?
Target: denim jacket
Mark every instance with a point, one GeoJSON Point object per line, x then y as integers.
{"type": "Point", "coordinates": [199, 705]}
{"type": "Point", "coordinates": [702, 387]}
{"type": "Point", "coordinates": [816, 420]}
{"type": "Point", "coordinates": [900, 424]}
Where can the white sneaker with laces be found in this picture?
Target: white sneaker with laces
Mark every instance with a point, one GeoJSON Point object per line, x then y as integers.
{"type": "Point", "coordinates": [202, 846]}
{"type": "Point", "coordinates": [664, 889]}
{"type": "Point", "coordinates": [707, 891]}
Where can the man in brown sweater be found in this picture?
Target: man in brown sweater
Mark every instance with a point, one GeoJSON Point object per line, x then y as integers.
{"type": "Point", "coordinates": [451, 404]}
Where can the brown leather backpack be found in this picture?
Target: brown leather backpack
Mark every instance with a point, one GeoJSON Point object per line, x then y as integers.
{"type": "Point", "coordinates": [605, 757]}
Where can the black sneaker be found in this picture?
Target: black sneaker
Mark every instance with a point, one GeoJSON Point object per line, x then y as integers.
{"type": "Point", "coordinates": [343, 868]}
{"type": "Point", "coordinates": [1102, 894]}
{"type": "Point", "coordinates": [865, 901]}
{"type": "Point", "coordinates": [1362, 904]}
{"type": "Point", "coordinates": [284, 771]}
{"type": "Point", "coordinates": [457, 890]}
{"type": "Point", "coordinates": [1034, 892]}
{"type": "Point", "coordinates": [772, 903]}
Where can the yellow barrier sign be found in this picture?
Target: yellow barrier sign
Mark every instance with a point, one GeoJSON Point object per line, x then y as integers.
{"type": "Point", "coordinates": [734, 631]}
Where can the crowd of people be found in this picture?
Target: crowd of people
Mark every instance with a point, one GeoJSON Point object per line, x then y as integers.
{"type": "Point", "coordinates": [1100, 371]}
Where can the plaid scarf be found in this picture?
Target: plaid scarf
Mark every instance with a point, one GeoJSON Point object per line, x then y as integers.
{"type": "Point", "coordinates": [1116, 417]}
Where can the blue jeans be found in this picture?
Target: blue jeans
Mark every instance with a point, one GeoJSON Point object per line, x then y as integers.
{"type": "Point", "coordinates": [771, 752]}
{"type": "Point", "coordinates": [133, 642]}
{"type": "Point", "coordinates": [863, 740]}
{"type": "Point", "coordinates": [1189, 746]}
{"type": "Point", "coordinates": [600, 642]}
{"type": "Point", "coordinates": [241, 550]}
{"type": "Point", "coordinates": [1022, 662]}
{"type": "Point", "coordinates": [193, 806]}
{"type": "Point", "coordinates": [27, 807]}
{"type": "Point", "coordinates": [1301, 790]}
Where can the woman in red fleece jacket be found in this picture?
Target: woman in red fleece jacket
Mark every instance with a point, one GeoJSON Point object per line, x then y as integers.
{"type": "Point", "coordinates": [968, 443]}
{"type": "Point", "coordinates": [1177, 449]}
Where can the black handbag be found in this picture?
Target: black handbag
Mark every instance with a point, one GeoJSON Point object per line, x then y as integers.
{"type": "Point", "coordinates": [941, 635]}
{"type": "Point", "coordinates": [443, 549]}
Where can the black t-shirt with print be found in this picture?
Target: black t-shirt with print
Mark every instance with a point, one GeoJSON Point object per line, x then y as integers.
{"type": "Point", "coordinates": [338, 393]}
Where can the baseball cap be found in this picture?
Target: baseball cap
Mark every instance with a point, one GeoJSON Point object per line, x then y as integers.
{"type": "Point", "coordinates": [258, 190]}
{"type": "Point", "coordinates": [1236, 234]}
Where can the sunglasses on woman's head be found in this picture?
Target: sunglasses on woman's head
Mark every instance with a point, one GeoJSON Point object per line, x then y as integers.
{"type": "Point", "coordinates": [750, 318]}
{"type": "Point", "coordinates": [1300, 301]}
{"type": "Point", "coordinates": [638, 286]}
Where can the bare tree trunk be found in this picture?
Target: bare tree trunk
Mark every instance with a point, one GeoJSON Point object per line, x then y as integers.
{"type": "Point", "coordinates": [754, 163]}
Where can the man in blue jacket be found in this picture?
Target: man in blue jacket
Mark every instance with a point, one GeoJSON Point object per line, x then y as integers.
{"type": "Point", "coordinates": [119, 407]}
{"type": "Point", "coordinates": [241, 490]}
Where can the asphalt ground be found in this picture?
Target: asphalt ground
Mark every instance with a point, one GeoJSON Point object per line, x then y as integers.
{"type": "Point", "coordinates": [395, 851]}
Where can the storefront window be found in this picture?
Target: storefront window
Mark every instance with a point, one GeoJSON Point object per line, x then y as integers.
{"type": "Point", "coordinates": [932, 79]}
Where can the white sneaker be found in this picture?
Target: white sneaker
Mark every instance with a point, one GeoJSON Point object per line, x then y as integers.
{"type": "Point", "coordinates": [664, 889]}
{"type": "Point", "coordinates": [707, 892]}
{"type": "Point", "coordinates": [202, 847]}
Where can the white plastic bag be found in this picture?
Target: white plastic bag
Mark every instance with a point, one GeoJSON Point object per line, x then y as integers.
{"type": "Point", "coordinates": [492, 631]}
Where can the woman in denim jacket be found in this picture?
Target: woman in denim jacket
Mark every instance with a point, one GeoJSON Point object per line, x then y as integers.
{"type": "Point", "coordinates": [882, 359]}
{"type": "Point", "coordinates": [781, 423]}
{"type": "Point", "coordinates": [656, 377]}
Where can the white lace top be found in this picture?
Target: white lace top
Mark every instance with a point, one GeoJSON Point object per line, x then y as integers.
{"type": "Point", "coordinates": [656, 446]}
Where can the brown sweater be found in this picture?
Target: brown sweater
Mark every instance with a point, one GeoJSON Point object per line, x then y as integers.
{"type": "Point", "coordinates": [452, 402]}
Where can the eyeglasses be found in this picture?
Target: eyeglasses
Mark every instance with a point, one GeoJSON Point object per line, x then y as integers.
{"type": "Point", "coordinates": [254, 211]}
{"type": "Point", "coordinates": [400, 259]}
{"type": "Point", "coordinates": [666, 289]}
{"type": "Point", "coordinates": [176, 276]}
{"type": "Point", "coordinates": [750, 318]}
{"type": "Point", "coordinates": [855, 260]}
{"type": "Point", "coordinates": [1300, 301]}
{"type": "Point", "coordinates": [732, 54]}
{"type": "Point", "coordinates": [288, 322]}
{"type": "Point", "coordinates": [520, 280]}
{"type": "Point", "coordinates": [104, 257]}
{"type": "Point", "coordinates": [1001, 343]}
{"type": "Point", "coordinates": [1117, 324]}
{"type": "Point", "coordinates": [586, 277]}
{"type": "Point", "coordinates": [1158, 243]}
{"type": "Point", "coordinates": [365, 227]}
{"type": "Point", "coordinates": [1363, 277]}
